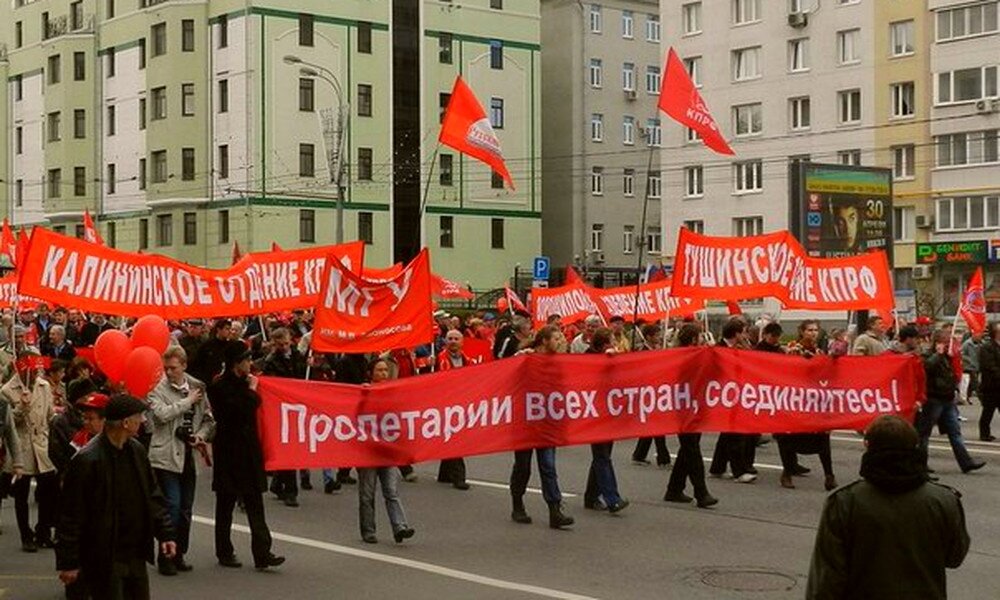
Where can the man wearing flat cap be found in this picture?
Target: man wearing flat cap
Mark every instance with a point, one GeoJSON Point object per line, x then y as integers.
{"type": "Point", "coordinates": [112, 509]}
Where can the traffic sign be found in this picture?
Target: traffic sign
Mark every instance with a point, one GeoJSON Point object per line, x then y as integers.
{"type": "Point", "coordinates": [541, 268]}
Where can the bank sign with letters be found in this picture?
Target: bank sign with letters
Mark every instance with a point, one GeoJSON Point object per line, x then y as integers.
{"type": "Point", "coordinates": [955, 253]}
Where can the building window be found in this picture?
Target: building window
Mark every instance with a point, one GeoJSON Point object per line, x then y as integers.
{"type": "Point", "coordinates": [496, 113]}
{"type": "Point", "coordinates": [365, 159]}
{"type": "Point", "coordinates": [158, 35]}
{"type": "Point", "coordinates": [902, 162]}
{"type": "Point", "coordinates": [849, 46]}
{"type": "Point", "coordinates": [142, 173]}
{"type": "Point", "coordinates": [187, 164]}
{"type": "Point", "coordinates": [597, 181]}
{"type": "Point", "coordinates": [19, 34]}
{"type": "Point", "coordinates": [496, 54]}
{"type": "Point", "coordinates": [224, 95]}
{"type": "Point", "coordinates": [901, 37]}
{"type": "Point", "coordinates": [79, 181]}
{"type": "Point", "coordinates": [596, 20]}
{"type": "Point", "coordinates": [112, 179]}
{"type": "Point", "coordinates": [443, 99]}
{"type": "Point", "coordinates": [967, 148]}
{"type": "Point", "coordinates": [798, 55]}
{"type": "Point", "coordinates": [966, 85]}
{"type": "Point", "coordinates": [19, 139]}
{"type": "Point", "coordinates": [968, 212]}
{"type": "Point", "coordinates": [366, 228]}
{"type": "Point", "coordinates": [902, 223]}
{"type": "Point", "coordinates": [305, 30]}
{"type": "Point", "coordinates": [53, 122]}
{"type": "Point", "coordinates": [223, 31]}
{"type": "Point", "coordinates": [903, 100]}
{"type": "Point", "coordinates": [164, 230]}
{"type": "Point", "coordinates": [849, 157]}
{"type": "Point", "coordinates": [748, 226]}
{"type": "Point", "coordinates": [849, 102]}
{"type": "Point", "coordinates": [223, 167]}
{"type": "Point", "coordinates": [746, 11]}
{"type": "Point", "coordinates": [596, 73]}
{"type": "Point", "coordinates": [307, 160]}
{"type": "Point", "coordinates": [110, 62]}
{"type": "Point", "coordinates": [111, 237]}
{"type": "Point", "coordinates": [364, 37]}
{"type": "Point", "coordinates": [597, 237]}
{"type": "Point", "coordinates": [444, 48]}
{"type": "Point", "coordinates": [307, 94]}
{"type": "Point", "coordinates": [142, 114]}
{"type": "Point", "coordinates": [79, 66]}
{"type": "Point", "coordinates": [159, 166]}
{"type": "Point", "coordinates": [691, 136]}
{"type": "Point", "coordinates": [19, 192]}
{"type": "Point", "coordinates": [652, 80]}
{"type": "Point", "coordinates": [159, 103]}
{"type": "Point", "coordinates": [223, 226]}
{"type": "Point", "coordinates": [628, 130]}
{"type": "Point", "coordinates": [18, 88]}
{"type": "Point", "coordinates": [749, 176]}
{"type": "Point", "coordinates": [190, 229]}
{"type": "Point", "coordinates": [694, 181]}
{"type": "Point", "coordinates": [496, 181]}
{"type": "Point", "coordinates": [79, 126]}
{"type": "Point", "coordinates": [142, 53]}
{"type": "Point", "coordinates": [187, 99]}
{"type": "Point", "coordinates": [112, 125]}
{"type": "Point", "coordinates": [628, 183]}
{"type": "Point", "coordinates": [628, 77]}
{"type": "Point", "coordinates": [691, 18]}
{"type": "Point", "coordinates": [364, 100]}
{"type": "Point", "coordinates": [696, 226]}
{"type": "Point", "coordinates": [653, 29]}
{"type": "Point", "coordinates": [746, 63]}
{"type": "Point", "coordinates": [799, 117]}
{"type": "Point", "coordinates": [597, 127]}
{"type": "Point", "coordinates": [967, 21]}
{"type": "Point", "coordinates": [446, 225]}
{"type": "Point", "coordinates": [110, 9]}
{"type": "Point", "coordinates": [187, 35]}
{"type": "Point", "coordinates": [54, 68]}
{"type": "Point", "coordinates": [143, 234]}
{"type": "Point", "coordinates": [655, 183]}
{"type": "Point", "coordinates": [628, 24]}
{"type": "Point", "coordinates": [307, 226]}
{"type": "Point", "coordinates": [654, 240]}
{"type": "Point", "coordinates": [693, 67]}
{"type": "Point", "coordinates": [76, 15]}
{"type": "Point", "coordinates": [447, 175]}
{"type": "Point", "coordinates": [748, 119]}
{"type": "Point", "coordinates": [496, 4]}
{"type": "Point", "coordinates": [654, 134]}
{"type": "Point", "coordinates": [628, 239]}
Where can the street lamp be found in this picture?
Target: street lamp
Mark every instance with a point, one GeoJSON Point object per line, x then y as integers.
{"type": "Point", "coordinates": [335, 153]}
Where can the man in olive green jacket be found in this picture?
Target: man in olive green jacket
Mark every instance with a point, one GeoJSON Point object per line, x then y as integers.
{"type": "Point", "coordinates": [891, 534]}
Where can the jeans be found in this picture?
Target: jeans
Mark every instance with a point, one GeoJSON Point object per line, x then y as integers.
{"type": "Point", "coordinates": [389, 478]}
{"type": "Point", "coordinates": [945, 415]}
{"type": "Point", "coordinates": [521, 473]}
{"type": "Point", "coordinates": [642, 449]}
{"type": "Point", "coordinates": [260, 536]}
{"type": "Point", "coordinates": [178, 490]}
{"type": "Point", "coordinates": [601, 481]}
{"type": "Point", "coordinates": [46, 494]}
{"type": "Point", "coordinates": [689, 465]}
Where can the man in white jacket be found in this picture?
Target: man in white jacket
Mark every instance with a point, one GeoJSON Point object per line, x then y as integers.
{"type": "Point", "coordinates": [181, 423]}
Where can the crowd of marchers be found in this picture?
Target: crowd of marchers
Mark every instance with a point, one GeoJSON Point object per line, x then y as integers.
{"type": "Point", "coordinates": [113, 473]}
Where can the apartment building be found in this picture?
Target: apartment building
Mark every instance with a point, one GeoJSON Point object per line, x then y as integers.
{"type": "Point", "coordinates": [602, 134]}
{"type": "Point", "coordinates": [184, 127]}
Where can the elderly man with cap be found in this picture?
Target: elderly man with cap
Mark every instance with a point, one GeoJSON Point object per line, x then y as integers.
{"type": "Point", "coordinates": [112, 509]}
{"type": "Point", "coordinates": [238, 470]}
{"type": "Point", "coordinates": [10, 351]}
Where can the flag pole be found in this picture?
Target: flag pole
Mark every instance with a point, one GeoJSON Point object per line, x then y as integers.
{"type": "Point", "coordinates": [427, 190]}
{"type": "Point", "coordinates": [642, 243]}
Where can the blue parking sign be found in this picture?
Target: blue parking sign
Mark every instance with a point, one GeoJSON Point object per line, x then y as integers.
{"type": "Point", "coordinates": [540, 269]}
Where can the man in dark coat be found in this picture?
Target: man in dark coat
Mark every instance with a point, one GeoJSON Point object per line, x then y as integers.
{"type": "Point", "coordinates": [891, 534]}
{"type": "Point", "coordinates": [989, 384]}
{"type": "Point", "coordinates": [111, 511]}
{"type": "Point", "coordinates": [207, 364]}
{"type": "Point", "coordinates": [238, 467]}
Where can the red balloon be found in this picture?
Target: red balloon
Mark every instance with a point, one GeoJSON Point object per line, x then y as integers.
{"type": "Point", "coordinates": [143, 370]}
{"type": "Point", "coordinates": [151, 331]}
{"type": "Point", "coordinates": [110, 351]}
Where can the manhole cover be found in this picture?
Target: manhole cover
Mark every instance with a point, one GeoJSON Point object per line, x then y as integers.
{"type": "Point", "coordinates": [747, 580]}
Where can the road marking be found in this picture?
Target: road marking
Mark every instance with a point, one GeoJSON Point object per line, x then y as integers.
{"type": "Point", "coordinates": [504, 486]}
{"type": "Point", "coordinates": [976, 449]}
{"type": "Point", "coordinates": [410, 564]}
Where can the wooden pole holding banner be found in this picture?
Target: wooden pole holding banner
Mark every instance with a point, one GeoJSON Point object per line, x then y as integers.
{"type": "Point", "coordinates": [642, 245]}
{"type": "Point", "coordinates": [423, 201]}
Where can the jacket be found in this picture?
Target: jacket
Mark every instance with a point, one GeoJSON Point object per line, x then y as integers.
{"type": "Point", "coordinates": [238, 462]}
{"type": "Point", "coordinates": [867, 344]}
{"type": "Point", "coordinates": [989, 371]}
{"type": "Point", "coordinates": [444, 361]}
{"type": "Point", "coordinates": [970, 355]}
{"type": "Point", "coordinates": [292, 366]}
{"type": "Point", "coordinates": [8, 439]}
{"type": "Point", "coordinates": [167, 406]}
{"type": "Point", "coordinates": [207, 365]}
{"type": "Point", "coordinates": [87, 528]}
{"type": "Point", "coordinates": [32, 423]}
{"type": "Point", "coordinates": [61, 431]}
{"type": "Point", "coordinates": [941, 381]}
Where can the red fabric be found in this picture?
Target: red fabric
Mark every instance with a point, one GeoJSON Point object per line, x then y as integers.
{"type": "Point", "coordinates": [65, 271]}
{"type": "Point", "coordinates": [8, 245]}
{"type": "Point", "coordinates": [444, 360]}
{"type": "Point", "coordinates": [478, 350]}
{"type": "Point", "coordinates": [733, 307]}
{"type": "Point", "coordinates": [90, 232]}
{"type": "Point", "coordinates": [237, 255]}
{"type": "Point", "coordinates": [447, 289]}
{"type": "Point", "coordinates": [973, 308]}
{"type": "Point", "coordinates": [466, 128]}
{"type": "Point", "coordinates": [571, 302]}
{"type": "Point", "coordinates": [357, 315]}
{"type": "Point", "coordinates": [655, 302]}
{"type": "Point", "coordinates": [275, 247]}
{"type": "Point", "coordinates": [513, 301]}
{"type": "Point", "coordinates": [776, 265]}
{"type": "Point", "coordinates": [522, 403]}
{"type": "Point", "coordinates": [682, 103]}
{"type": "Point", "coordinates": [405, 364]}
{"type": "Point", "coordinates": [572, 277]}
{"type": "Point", "coordinates": [385, 274]}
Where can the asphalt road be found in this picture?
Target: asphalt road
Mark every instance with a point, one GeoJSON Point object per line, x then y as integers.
{"type": "Point", "coordinates": [756, 543]}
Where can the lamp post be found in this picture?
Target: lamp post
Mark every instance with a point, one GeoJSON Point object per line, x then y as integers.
{"type": "Point", "coordinates": [335, 145]}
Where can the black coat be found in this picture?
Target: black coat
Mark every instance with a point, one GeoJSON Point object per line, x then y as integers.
{"type": "Point", "coordinates": [238, 465]}
{"type": "Point", "coordinates": [941, 382]}
{"type": "Point", "coordinates": [989, 371]}
{"type": "Point", "coordinates": [209, 361]}
{"type": "Point", "coordinates": [292, 366]}
{"type": "Point", "coordinates": [84, 336]}
{"type": "Point", "coordinates": [61, 431]}
{"type": "Point", "coordinates": [85, 535]}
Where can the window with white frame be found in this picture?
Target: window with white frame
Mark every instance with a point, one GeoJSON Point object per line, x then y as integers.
{"type": "Point", "coordinates": [968, 212]}
{"type": "Point", "coordinates": [968, 148]}
{"type": "Point", "coordinates": [798, 55]}
{"type": "Point", "coordinates": [596, 20]}
{"type": "Point", "coordinates": [653, 28]}
{"type": "Point", "coordinates": [849, 106]}
{"type": "Point", "coordinates": [902, 161]}
{"type": "Point", "coordinates": [966, 85]}
{"type": "Point", "coordinates": [655, 184]}
{"type": "Point", "coordinates": [597, 127]}
{"type": "Point", "coordinates": [628, 183]}
{"type": "Point", "coordinates": [694, 226]}
{"type": "Point", "coordinates": [628, 130]}
{"type": "Point", "coordinates": [799, 113]}
{"type": "Point", "coordinates": [628, 24]}
{"type": "Point", "coordinates": [597, 181]}
{"type": "Point", "coordinates": [691, 18]}
{"type": "Point", "coordinates": [746, 11]}
{"type": "Point", "coordinates": [903, 100]}
{"type": "Point", "coordinates": [849, 46]}
{"type": "Point", "coordinates": [654, 240]}
{"type": "Point", "coordinates": [849, 157]}
{"type": "Point", "coordinates": [694, 181]}
{"type": "Point", "coordinates": [902, 223]}
{"type": "Point", "coordinates": [748, 226]}
{"type": "Point", "coordinates": [797, 6]}
{"type": "Point", "coordinates": [746, 63]}
{"type": "Point", "coordinates": [967, 21]}
{"type": "Point", "coordinates": [692, 65]}
{"type": "Point", "coordinates": [597, 237]}
{"type": "Point", "coordinates": [652, 79]}
{"type": "Point", "coordinates": [596, 73]}
{"type": "Point", "coordinates": [691, 136]}
{"type": "Point", "coordinates": [628, 77]}
{"type": "Point", "coordinates": [748, 176]}
{"type": "Point", "coordinates": [748, 119]}
{"type": "Point", "coordinates": [901, 37]}
{"type": "Point", "coordinates": [654, 135]}
{"type": "Point", "coordinates": [628, 239]}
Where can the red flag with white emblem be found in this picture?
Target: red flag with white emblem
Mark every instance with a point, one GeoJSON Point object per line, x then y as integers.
{"type": "Point", "coordinates": [466, 128]}
{"type": "Point", "coordinates": [679, 98]}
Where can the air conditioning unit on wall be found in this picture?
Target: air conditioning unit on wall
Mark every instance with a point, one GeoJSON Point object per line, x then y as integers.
{"type": "Point", "coordinates": [986, 107]}
{"type": "Point", "coordinates": [925, 221]}
{"type": "Point", "coordinates": [798, 20]}
{"type": "Point", "coordinates": [922, 272]}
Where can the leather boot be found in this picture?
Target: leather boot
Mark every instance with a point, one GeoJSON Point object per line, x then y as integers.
{"type": "Point", "coordinates": [519, 514]}
{"type": "Point", "coordinates": [557, 520]}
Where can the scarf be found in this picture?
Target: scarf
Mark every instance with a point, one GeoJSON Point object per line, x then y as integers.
{"type": "Point", "coordinates": [894, 470]}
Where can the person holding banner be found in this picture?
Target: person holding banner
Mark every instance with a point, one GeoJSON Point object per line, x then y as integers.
{"type": "Point", "coordinates": [284, 360]}
{"type": "Point", "coordinates": [602, 485]}
{"type": "Point", "coordinates": [733, 449]}
{"type": "Point", "coordinates": [652, 339]}
{"type": "Point", "coordinates": [452, 470]}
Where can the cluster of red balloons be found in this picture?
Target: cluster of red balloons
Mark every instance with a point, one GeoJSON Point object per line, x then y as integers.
{"type": "Point", "coordinates": [137, 362]}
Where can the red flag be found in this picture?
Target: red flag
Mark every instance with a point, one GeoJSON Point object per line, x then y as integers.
{"type": "Point", "coordinates": [237, 255]}
{"type": "Point", "coordinates": [973, 308]}
{"type": "Point", "coordinates": [8, 245]}
{"type": "Point", "coordinates": [572, 277]}
{"type": "Point", "coordinates": [275, 247]}
{"type": "Point", "coordinates": [383, 275]}
{"type": "Point", "coordinates": [733, 307]}
{"type": "Point", "coordinates": [445, 288]}
{"type": "Point", "coordinates": [90, 232]}
{"type": "Point", "coordinates": [466, 128]}
{"type": "Point", "coordinates": [682, 103]}
{"type": "Point", "coordinates": [513, 302]}
{"type": "Point", "coordinates": [21, 247]}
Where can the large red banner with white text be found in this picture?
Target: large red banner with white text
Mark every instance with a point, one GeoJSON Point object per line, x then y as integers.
{"type": "Point", "coordinates": [532, 401]}
{"type": "Point", "coordinates": [72, 272]}
{"type": "Point", "coordinates": [776, 265]}
{"type": "Point", "coordinates": [570, 302]}
{"type": "Point", "coordinates": [654, 302]}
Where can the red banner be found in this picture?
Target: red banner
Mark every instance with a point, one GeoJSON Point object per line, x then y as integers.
{"type": "Point", "coordinates": [775, 264]}
{"type": "Point", "coordinates": [570, 302]}
{"type": "Point", "coordinates": [71, 272]}
{"type": "Point", "coordinates": [654, 302]}
{"type": "Point", "coordinates": [532, 401]}
{"type": "Point", "coordinates": [357, 315]}
{"type": "Point", "coordinates": [679, 98]}
{"type": "Point", "coordinates": [973, 307]}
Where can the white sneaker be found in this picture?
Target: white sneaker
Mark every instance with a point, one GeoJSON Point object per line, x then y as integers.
{"type": "Point", "coordinates": [746, 478]}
